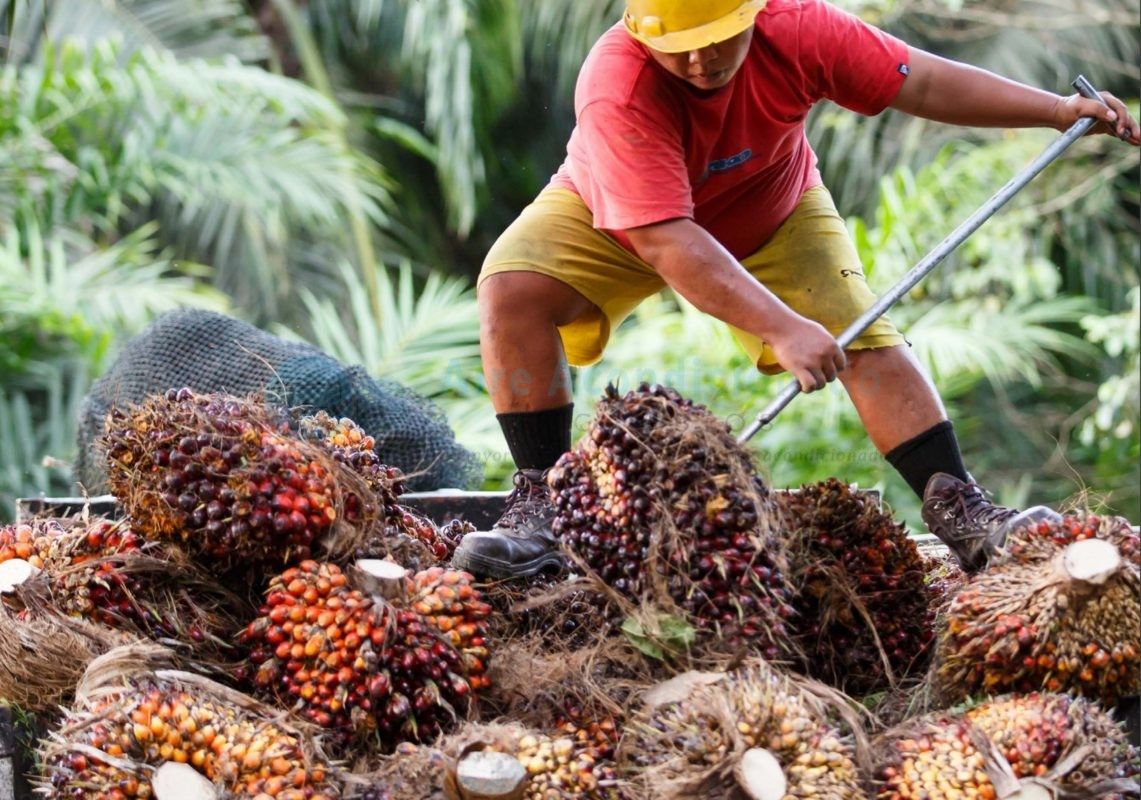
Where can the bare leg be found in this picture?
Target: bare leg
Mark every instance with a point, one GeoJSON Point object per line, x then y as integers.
{"type": "Point", "coordinates": [892, 394]}
{"type": "Point", "coordinates": [523, 358]}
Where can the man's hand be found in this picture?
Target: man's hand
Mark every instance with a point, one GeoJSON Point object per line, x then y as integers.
{"type": "Point", "coordinates": [809, 352]}
{"type": "Point", "coordinates": [1115, 120]}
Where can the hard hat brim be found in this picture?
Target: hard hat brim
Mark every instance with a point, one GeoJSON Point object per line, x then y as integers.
{"type": "Point", "coordinates": [705, 35]}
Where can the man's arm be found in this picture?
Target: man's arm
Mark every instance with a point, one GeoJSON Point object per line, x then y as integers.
{"type": "Point", "coordinates": [959, 94]}
{"type": "Point", "coordinates": [695, 265]}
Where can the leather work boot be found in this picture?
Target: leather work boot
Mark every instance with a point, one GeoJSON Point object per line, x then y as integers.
{"type": "Point", "coordinates": [970, 525]}
{"type": "Point", "coordinates": [521, 543]}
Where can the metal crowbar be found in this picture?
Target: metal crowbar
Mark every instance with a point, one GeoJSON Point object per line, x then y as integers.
{"type": "Point", "coordinates": [941, 251]}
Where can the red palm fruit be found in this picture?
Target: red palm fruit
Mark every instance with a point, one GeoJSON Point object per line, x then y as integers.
{"type": "Point", "coordinates": [378, 500]}
{"type": "Point", "coordinates": [29, 541]}
{"type": "Point", "coordinates": [148, 722]}
{"type": "Point", "coordinates": [220, 475]}
{"type": "Point", "coordinates": [449, 602]}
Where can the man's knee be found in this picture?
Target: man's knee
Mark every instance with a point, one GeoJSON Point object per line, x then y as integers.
{"type": "Point", "coordinates": [529, 296]}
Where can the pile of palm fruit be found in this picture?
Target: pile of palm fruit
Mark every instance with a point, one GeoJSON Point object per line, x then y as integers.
{"type": "Point", "coordinates": [715, 639]}
{"type": "Point", "coordinates": [223, 478]}
{"type": "Point", "coordinates": [103, 571]}
{"type": "Point", "coordinates": [88, 585]}
{"type": "Point", "coordinates": [752, 729]}
{"type": "Point", "coordinates": [402, 533]}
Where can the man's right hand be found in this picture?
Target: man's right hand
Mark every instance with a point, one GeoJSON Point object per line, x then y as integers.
{"type": "Point", "coordinates": [809, 352]}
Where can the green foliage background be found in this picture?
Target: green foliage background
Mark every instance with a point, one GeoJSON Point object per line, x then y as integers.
{"type": "Point", "coordinates": [336, 169]}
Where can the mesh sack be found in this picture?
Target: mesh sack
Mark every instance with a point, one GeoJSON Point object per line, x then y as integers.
{"type": "Point", "coordinates": [211, 352]}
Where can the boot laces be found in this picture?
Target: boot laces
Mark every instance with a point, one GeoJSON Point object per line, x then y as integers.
{"type": "Point", "coordinates": [527, 502]}
{"type": "Point", "coordinates": [974, 514]}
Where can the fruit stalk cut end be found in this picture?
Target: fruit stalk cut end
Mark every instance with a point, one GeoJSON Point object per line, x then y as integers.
{"type": "Point", "coordinates": [1091, 560]}
{"type": "Point", "coordinates": [760, 776]}
{"type": "Point", "coordinates": [175, 781]}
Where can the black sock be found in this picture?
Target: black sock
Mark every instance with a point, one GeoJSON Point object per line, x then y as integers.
{"type": "Point", "coordinates": [536, 439]}
{"type": "Point", "coordinates": [934, 450]}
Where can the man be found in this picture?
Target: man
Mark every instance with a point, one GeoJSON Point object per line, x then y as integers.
{"type": "Point", "coordinates": [689, 168]}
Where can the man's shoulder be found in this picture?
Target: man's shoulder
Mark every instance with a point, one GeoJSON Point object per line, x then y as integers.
{"type": "Point", "coordinates": [783, 16]}
{"type": "Point", "coordinates": [613, 70]}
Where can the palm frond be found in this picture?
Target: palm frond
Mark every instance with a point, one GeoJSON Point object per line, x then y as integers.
{"type": "Point", "coordinates": [186, 28]}
{"type": "Point", "coordinates": [1043, 43]}
{"type": "Point", "coordinates": [963, 343]}
{"type": "Point", "coordinates": [118, 288]}
{"type": "Point", "coordinates": [408, 333]}
{"type": "Point", "coordinates": [237, 166]}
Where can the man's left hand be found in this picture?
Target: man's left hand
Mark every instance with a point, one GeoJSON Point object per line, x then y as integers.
{"type": "Point", "coordinates": [1114, 120]}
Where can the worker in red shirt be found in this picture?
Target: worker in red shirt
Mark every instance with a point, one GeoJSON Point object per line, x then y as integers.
{"type": "Point", "coordinates": [688, 167]}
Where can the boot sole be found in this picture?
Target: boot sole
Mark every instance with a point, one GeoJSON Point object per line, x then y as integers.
{"type": "Point", "coordinates": [503, 570]}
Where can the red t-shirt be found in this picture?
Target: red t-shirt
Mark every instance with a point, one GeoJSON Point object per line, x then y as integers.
{"type": "Point", "coordinates": [647, 147]}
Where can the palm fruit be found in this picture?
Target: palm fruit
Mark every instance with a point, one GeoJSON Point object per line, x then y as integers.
{"type": "Point", "coordinates": [348, 444]}
{"type": "Point", "coordinates": [1060, 611]}
{"type": "Point", "coordinates": [708, 734]}
{"type": "Point", "coordinates": [551, 765]}
{"type": "Point", "coordinates": [221, 475]}
{"type": "Point", "coordinates": [361, 666]}
{"type": "Point", "coordinates": [446, 599]}
{"type": "Point", "coordinates": [152, 721]}
{"type": "Point", "coordinates": [100, 570]}
{"type": "Point", "coordinates": [1065, 746]}
{"type": "Point", "coordinates": [659, 500]}
{"type": "Point", "coordinates": [29, 541]}
{"type": "Point", "coordinates": [861, 595]}
{"type": "Point", "coordinates": [562, 766]}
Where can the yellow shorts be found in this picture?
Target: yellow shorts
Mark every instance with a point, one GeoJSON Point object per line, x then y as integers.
{"type": "Point", "coordinates": [810, 263]}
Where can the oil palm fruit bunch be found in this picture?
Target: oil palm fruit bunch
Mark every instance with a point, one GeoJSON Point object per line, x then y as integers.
{"type": "Point", "coordinates": [662, 503]}
{"type": "Point", "coordinates": [111, 744]}
{"type": "Point", "coordinates": [535, 764]}
{"type": "Point", "coordinates": [360, 665]}
{"type": "Point", "coordinates": [1061, 610]}
{"type": "Point", "coordinates": [29, 541]}
{"type": "Point", "coordinates": [221, 475]}
{"type": "Point", "coordinates": [861, 594]}
{"type": "Point", "coordinates": [1014, 746]}
{"type": "Point", "coordinates": [24, 549]}
{"type": "Point", "coordinates": [752, 731]}
{"type": "Point", "coordinates": [348, 444]}
{"type": "Point", "coordinates": [102, 571]}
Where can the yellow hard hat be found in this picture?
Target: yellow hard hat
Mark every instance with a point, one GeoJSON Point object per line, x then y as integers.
{"type": "Point", "coordinates": [677, 26]}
